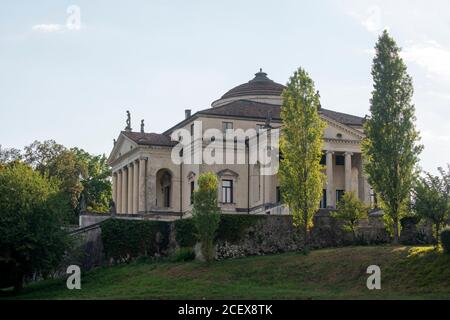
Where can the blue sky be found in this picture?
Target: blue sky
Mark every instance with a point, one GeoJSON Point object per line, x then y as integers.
{"type": "Point", "coordinates": [157, 58]}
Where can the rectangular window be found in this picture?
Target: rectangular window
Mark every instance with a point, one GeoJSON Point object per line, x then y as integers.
{"type": "Point", "coordinates": [227, 191]}
{"type": "Point", "coordinates": [192, 191]}
{"type": "Point", "coordinates": [192, 130]}
{"type": "Point", "coordinates": [339, 195]}
{"type": "Point", "coordinates": [227, 126]}
{"type": "Point", "coordinates": [340, 160]}
{"type": "Point", "coordinates": [323, 202]}
{"type": "Point", "coordinates": [167, 197]}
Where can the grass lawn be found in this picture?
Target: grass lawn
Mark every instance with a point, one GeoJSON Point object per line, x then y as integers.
{"type": "Point", "coordinates": [406, 273]}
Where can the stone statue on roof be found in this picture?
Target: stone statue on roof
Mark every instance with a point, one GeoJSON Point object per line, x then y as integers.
{"type": "Point", "coordinates": [128, 127]}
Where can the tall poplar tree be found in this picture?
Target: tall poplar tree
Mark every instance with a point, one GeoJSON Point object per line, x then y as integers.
{"type": "Point", "coordinates": [391, 146]}
{"type": "Point", "coordinates": [300, 173]}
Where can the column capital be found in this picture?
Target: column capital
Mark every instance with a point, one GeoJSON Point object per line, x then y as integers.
{"type": "Point", "coordinates": [329, 152]}
{"type": "Point", "coordinates": [143, 158]}
{"type": "Point", "coordinates": [348, 153]}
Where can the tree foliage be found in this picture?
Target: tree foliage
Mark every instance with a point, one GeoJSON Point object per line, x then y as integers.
{"type": "Point", "coordinates": [32, 217]}
{"type": "Point", "coordinates": [9, 155]}
{"type": "Point", "coordinates": [391, 146]}
{"type": "Point", "coordinates": [301, 176]}
{"type": "Point", "coordinates": [84, 178]}
{"type": "Point", "coordinates": [350, 210]}
{"type": "Point", "coordinates": [206, 213]}
{"type": "Point", "coordinates": [431, 199]}
{"type": "Point", "coordinates": [97, 189]}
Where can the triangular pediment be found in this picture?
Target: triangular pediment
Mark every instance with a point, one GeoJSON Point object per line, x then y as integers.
{"type": "Point", "coordinates": [227, 172]}
{"type": "Point", "coordinates": [122, 146]}
{"type": "Point", "coordinates": [340, 131]}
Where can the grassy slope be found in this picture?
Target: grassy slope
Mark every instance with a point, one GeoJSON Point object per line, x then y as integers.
{"type": "Point", "coordinates": [406, 273]}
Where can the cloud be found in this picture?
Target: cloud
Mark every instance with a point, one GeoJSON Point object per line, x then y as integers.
{"type": "Point", "coordinates": [370, 18]}
{"type": "Point", "coordinates": [47, 28]}
{"type": "Point", "coordinates": [431, 56]}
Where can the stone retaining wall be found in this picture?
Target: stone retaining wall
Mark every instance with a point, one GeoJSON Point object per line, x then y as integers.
{"type": "Point", "coordinates": [268, 235]}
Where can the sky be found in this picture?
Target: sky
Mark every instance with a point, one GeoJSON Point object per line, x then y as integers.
{"type": "Point", "coordinates": [69, 70]}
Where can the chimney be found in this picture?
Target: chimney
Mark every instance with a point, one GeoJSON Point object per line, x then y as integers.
{"type": "Point", "coordinates": [187, 113]}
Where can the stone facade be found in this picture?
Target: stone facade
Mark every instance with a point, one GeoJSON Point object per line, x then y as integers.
{"type": "Point", "coordinates": [147, 181]}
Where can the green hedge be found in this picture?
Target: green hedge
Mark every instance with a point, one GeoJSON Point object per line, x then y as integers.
{"type": "Point", "coordinates": [233, 226]}
{"type": "Point", "coordinates": [445, 240]}
{"type": "Point", "coordinates": [185, 232]}
{"type": "Point", "coordinates": [127, 239]}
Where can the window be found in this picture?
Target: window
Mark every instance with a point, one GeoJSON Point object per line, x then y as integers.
{"type": "Point", "coordinates": [278, 194]}
{"type": "Point", "coordinates": [192, 129]}
{"type": "Point", "coordinates": [340, 160]}
{"type": "Point", "coordinates": [227, 191]}
{"type": "Point", "coordinates": [227, 126]}
{"type": "Point", "coordinates": [323, 202]}
{"type": "Point", "coordinates": [167, 197]}
{"type": "Point", "coordinates": [192, 191]}
{"type": "Point", "coordinates": [339, 195]}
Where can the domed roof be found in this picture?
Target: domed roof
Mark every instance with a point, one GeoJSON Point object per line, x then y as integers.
{"type": "Point", "coordinates": [260, 85]}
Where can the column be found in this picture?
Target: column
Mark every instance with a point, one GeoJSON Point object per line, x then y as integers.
{"type": "Point", "coordinates": [142, 165]}
{"type": "Point", "coordinates": [124, 190]}
{"type": "Point", "coordinates": [348, 171]}
{"type": "Point", "coordinates": [119, 192]}
{"type": "Point", "coordinates": [130, 189]}
{"type": "Point", "coordinates": [330, 182]}
{"type": "Point", "coordinates": [135, 186]}
{"type": "Point", "coordinates": [151, 187]}
{"type": "Point", "coordinates": [114, 187]}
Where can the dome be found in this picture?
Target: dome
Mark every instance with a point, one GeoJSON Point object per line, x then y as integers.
{"type": "Point", "coordinates": [259, 88]}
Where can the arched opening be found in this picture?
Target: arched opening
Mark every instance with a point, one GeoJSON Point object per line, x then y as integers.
{"type": "Point", "coordinates": [163, 189]}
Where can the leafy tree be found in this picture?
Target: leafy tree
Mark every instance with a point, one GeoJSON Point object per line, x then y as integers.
{"type": "Point", "coordinates": [84, 178]}
{"type": "Point", "coordinates": [32, 217]}
{"type": "Point", "coordinates": [300, 174]}
{"type": "Point", "coordinates": [350, 210]}
{"type": "Point", "coordinates": [391, 146]}
{"type": "Point", "coordinates": [432, 199]}
{"type": "Point", "coordinates": [206, 213]}
{"type": "Point", "coordinates": [40, 154]}
{"type": "Point", "coordinates": [69, 171]}
{"type": "Point", "coordinates": [97, 188]}
{"type": "Point", "coordinates": [9, 154]}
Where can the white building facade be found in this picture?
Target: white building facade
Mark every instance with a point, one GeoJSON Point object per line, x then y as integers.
{"type": "Point", "coordinates": [147, 181]}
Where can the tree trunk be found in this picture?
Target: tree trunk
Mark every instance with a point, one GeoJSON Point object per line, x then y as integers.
{"type": "Point", "coordinates": [305, 232]}
{"type": "Point", "coordinates": [396, 236]}
{"type": "Point", "coordinates": [438, 227]}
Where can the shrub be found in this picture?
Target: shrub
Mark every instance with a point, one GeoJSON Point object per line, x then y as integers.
{"type": "Point", "coordinates": [350, 211]}
{"type": "Point", "coordinates": [233, 226]}
{"type": "Point", "coordinates": [445, 239]}
{"type": "Point", "coordinates": [127, 239]}
{"type": "Point", "coordinates": [183, 254]}
{"type": "Point", "coordinates": [185, 232]}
